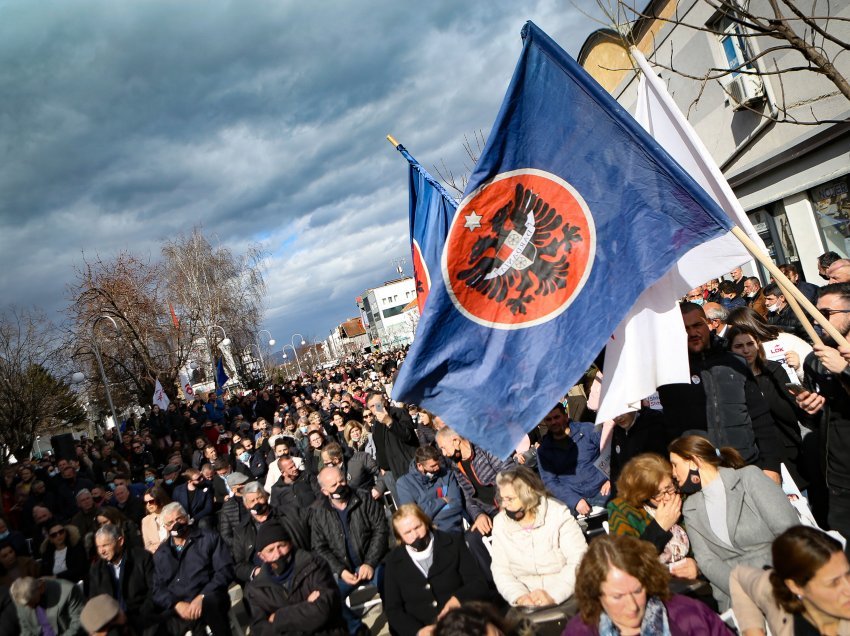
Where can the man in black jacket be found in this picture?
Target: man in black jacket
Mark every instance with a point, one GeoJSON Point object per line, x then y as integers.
{"type": "Point", "coordinates": [828, 372]}
{"type": "Point", "coordinates": [295, 488]}
{"type": "Point", "coordinates": [294, 590]}
{"type": "Point", "coordinates": [635, 433]}
{"type": "Point", "coordinates": [350, 532]}
{"type": "Point", "coordinates": [395, 438]}
{"type": "Point", "coordinates": [126, 575]}
{"type": "Point", "coordinates": [192, 571]}
{"type": "Point", "coordinates": [722, 402]}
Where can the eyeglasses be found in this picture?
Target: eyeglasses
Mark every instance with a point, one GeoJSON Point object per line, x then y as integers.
{"type": "Point", "coordinates": [57, 533]}
{"type": "Point", "coordinates": [827, 312]}
{"type": "Point", "coordinates": [667, 492]}
{"type": "Point", "coordinates": [149, 501]}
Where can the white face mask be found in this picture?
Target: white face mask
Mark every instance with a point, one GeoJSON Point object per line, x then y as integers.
{"type": "Point", "coordinates": [773, 308]}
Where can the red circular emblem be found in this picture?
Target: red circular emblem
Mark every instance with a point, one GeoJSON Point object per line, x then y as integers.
{"type": "Point", "coordinates": [519, 250]}
{"type": "Point", "coordinates": [421, 276]}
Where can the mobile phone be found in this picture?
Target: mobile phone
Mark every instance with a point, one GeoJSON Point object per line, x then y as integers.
{"type": "Point", "coordinates": [794, 388]}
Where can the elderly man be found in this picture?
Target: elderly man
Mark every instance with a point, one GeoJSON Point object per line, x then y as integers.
{"type": "Point", "coordinates": [295, 488]}
{"type": "Point", "coordinates": [84, 520]}
{"type": "Point", "coordinates": [47, 606]}
{"type": "Point", "coordinates": [132, 507]}
{"type": "Point", "coordinates": [754, 296]}
{"type": "Point", "coordinates": [125, 574]}
{"type": "Point", "coordinates": [293, 591]}
{"type": "Point", "coordinates": [259, 512]}
{"type": "Point", "coordinates": [192, 571]}
{"type": "Point", "coordinates": [350, 532]}
{"type": "Point", "coordinates": [232, 511]}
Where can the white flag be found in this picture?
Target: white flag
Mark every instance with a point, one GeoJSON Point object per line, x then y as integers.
{"type": "Point", "coordinates": [160, 399]}
{"type": "Point", "coordinates": [186, 384]}
{"type": "Point", "coordinates": [649, 348]}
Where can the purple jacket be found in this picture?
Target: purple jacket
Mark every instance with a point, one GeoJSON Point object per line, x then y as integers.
{"type": "Point", "coordinates": [686, 616]}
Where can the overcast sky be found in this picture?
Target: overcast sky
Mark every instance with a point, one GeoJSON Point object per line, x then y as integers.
{"type": "Point", "coordinates": [123, 123]}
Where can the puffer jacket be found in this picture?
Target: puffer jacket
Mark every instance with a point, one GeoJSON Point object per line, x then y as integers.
{"type": "Point", "coordinates": [245, 536]}
{"type": "Point", "coordinates": [362, 472]}
{"type": "Point", "coordinates": [368, 533]}
{"type": "Point", "coordinates": [231, 515]}
{"type": "Point", "coordinates": [293, 613]}
{"type": "Point", "coordinates": [543, 558]}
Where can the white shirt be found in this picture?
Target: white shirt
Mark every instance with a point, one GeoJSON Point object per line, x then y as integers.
{"type": "Point", "coordinates": [60, 560]}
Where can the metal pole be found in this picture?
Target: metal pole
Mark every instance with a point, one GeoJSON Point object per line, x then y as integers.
{"type": "Point", "coordinates": [297, 361]}
{"type": "Point", "coordinates": [103, 371]}
{"type": "Point", "coordinates": [303, 342]}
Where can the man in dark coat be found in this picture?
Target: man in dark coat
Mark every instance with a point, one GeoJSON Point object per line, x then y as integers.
{"type": "Point", "coordinates": [126, 575]}
{"type": "Point", "coordinates": [395, 438]}
{"type": "Point", "coordinates": [294, 590]}
{"type": "Point", "coordinates": [294, 489]}
{"type": "Point", "coordinates": [635, 433]}
{"type": "Point", "coordinates": [192, 571]}
{"type": "Point", "coordinates": [350, 533]}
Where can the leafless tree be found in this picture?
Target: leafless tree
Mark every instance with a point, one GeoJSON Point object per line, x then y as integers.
{"type": "Point", "coordinates": [35, 394]}
{"type": "Point", "coordinates": [781, 38]}
{"type": "Point", "coordinates": [473, 149]}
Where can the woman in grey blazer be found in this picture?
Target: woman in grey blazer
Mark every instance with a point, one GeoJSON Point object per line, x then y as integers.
{"type": "Point", "coordinates": [732, 512]}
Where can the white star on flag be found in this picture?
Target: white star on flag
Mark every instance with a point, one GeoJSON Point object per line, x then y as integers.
{"type": "Point", "coordinates": [473, 221]}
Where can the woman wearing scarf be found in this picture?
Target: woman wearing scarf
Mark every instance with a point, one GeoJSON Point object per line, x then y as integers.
{"type": "Point", "coordinates": [622, 589]}
{"type": "Point", "coordinates": [648, 506]}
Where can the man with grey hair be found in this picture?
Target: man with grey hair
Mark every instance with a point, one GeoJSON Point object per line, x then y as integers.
{"type": "Point", "coordinates": [717, 315]}
{"type": "Point", "coordinates": [85, 519]}
{"type": "Point", "coordinates": [192, 570]}
{"type": "Point", "coordinates": [350, 532]}
{"type": "Point", "coordinates": [47, 606]}
{"type": "Point", "coordinates": [839, 271]}
{"type": "Point", "coordinates": [126, 574]}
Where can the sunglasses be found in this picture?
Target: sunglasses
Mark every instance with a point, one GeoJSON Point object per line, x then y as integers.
{"type": "Point", "coordinates": [57, 533]}
{"type": "Point", "coordinates": [149, 501]}
{"type": "Point", "coordinates": [828, 312]}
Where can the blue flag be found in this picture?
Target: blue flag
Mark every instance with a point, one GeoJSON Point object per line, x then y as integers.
{"type": "Point", "coordinates": [431, 212]}
{"type": "Point", "coordinates": [571, 212]}
{"type": "Point", "coordinates": [221, 377]}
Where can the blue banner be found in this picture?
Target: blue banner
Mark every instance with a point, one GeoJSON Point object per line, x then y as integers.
{"type": "Point", "coordinates": [221, 377]}
{"type": "Point", "coordinates": [571, 212]}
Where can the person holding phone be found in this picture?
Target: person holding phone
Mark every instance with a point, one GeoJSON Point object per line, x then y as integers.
{"type": "Point", "coordinates": [779, 393]}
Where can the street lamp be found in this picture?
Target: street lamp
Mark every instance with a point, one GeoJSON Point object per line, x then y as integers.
{"type": "Point", "coordinates": [103, 377]}
{"type": "Point", "coordinates": [300, 372]}
{"type": "Point", "coordinates": [260, 349]}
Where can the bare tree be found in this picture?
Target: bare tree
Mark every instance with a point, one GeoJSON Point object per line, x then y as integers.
{"type": "Point", "coordinates": [473, 150]}
{"type": "Point", "coordinates": [770, 38]}
{"type": "Point", "coordinates": [35, 394]}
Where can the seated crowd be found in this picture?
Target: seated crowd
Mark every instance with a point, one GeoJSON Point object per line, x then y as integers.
{"type": "Point", "coordinates": [305, 493]}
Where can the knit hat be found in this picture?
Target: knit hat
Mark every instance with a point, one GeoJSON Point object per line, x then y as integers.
{"type": "Point", "coordinates": [99, 612]}
{"type": "Point", "coordinates": [171, 469]}
{"type": "Point", "coordinates": [271, 532]}
{"type": "Point", "coordinates": [236, 479]}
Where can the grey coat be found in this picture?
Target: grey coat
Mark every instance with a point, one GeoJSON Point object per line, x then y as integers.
{"type": "Point", "coordinates": [63, 603]}
{"type": "Point", "coordinates": [757, 511]}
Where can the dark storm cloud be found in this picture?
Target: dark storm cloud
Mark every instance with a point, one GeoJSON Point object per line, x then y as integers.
{"type": "Point", "coordinates": [123, 123]}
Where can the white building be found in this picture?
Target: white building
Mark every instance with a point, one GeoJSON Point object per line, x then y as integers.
{"type": "Point", "coordinates": [349, 338]}
{"type": "Point", "coordinates": [384, 316]}
{"type": "Point", "coordinates": [791, 179]}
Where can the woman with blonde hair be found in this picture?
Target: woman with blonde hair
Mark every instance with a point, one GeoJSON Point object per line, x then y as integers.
{"type": "Point", "coordinates": [732, 512]}
{"type": "Point", "coordinates": [623, 589]}
{"type": "Point", "coordinates": [429, 573]}
{"type": "Point", "coordinates": [648, 506]}
{"type": "Point", "coordinates": [537, 544]}
{"type": "Point", "coordinates": [358, 438]}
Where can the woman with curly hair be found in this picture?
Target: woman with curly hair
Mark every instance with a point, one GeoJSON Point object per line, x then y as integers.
{"type": "Point", "coordinates": [648, 506]}
{"type": "Point", "coordinates": [806, 592]}
{"type": "Point", "coordinates": [623, 589]}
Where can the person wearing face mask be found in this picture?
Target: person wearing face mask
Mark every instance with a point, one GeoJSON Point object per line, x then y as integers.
{"type": "Point", "coordinates": [433, 489]}
{"type": "Point", "coordinates": [780, 313]}
{"type": "Point", "coordinates": [350, 533]}
{"type": "Point", "coordinates": [807, 592]}
{"type": "Point", "coordinates": [732, 512]}
{"type": "Point", "coordinates": [192, 572]}
{"type": "Point", "coordinates": [294, 590]}
{"type": "Point", "coordinates": [196, 497]}
{"type": "Point", "coordinates": [754, 296]}
{"type": "Point", "coordinates": [259, 513]}
{"type": "Point", "coordinates": [295, 488]}
{"type": "Point", "coordinates": [696, 296]}
{"type": "Point", "coordinates": [394, 436]}
{"type": "Point", "coordinates": [537, 543]}
{"type": "Point", "coordinates": [361, 471]}
{"type": "Point", "coordinates": [248, 460]}
{"type": "Point", "coordinates": [428, 574]}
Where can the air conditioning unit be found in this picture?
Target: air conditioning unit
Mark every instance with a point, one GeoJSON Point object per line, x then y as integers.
{"type": "Point", "coordinates": [745, 89]}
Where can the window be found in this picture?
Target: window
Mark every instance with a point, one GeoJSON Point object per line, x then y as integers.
{"type": "Point", "coordinates": [735, 47]}
{"type": "Point", "coordinates": [831, 203]}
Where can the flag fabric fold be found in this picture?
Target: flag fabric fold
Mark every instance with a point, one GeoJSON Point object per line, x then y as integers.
{"type": "Point", "coordinates": [431, 210]}
{"type": "Point", "coordinates": [160, 399]}
{"type": "Point", "coordinates": [649, 348]}
{"type": "Point", "coordinates": [571, 213]}
{"type": "Point", "coordinates": [221, 376]}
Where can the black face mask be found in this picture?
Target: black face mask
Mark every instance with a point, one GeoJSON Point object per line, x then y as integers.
{"type": "Point", "coordinates": [342, 493]}
{"type": "Point", "coordinates": [693, 483]}
{"type": "Point", "coordinates": [284, 562]}
{"type": "Point", "coordinates": [179, 529]}
{"type": "Point", "coordinates": [457, 455]}
{"type": "Point", "coordinates": [260, 509]}
{"type": "Point", "coordinates": [421, 543]}
{"type": "Point", "coordinates": [516, 515]}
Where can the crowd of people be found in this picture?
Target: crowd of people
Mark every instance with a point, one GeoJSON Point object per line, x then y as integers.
{"type": "Point", "coordinates": [308, 493]}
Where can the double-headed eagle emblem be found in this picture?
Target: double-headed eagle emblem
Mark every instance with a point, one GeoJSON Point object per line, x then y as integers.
{"type": "Point", "coordinates": [524, 254]}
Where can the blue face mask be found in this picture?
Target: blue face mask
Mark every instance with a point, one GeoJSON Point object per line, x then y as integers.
{"type": "Point", "coordinates": [303, 429]}
{"type": "Point", "coordinates": [245, 456]}
{"type": "Point", "coordinates": [169, 481]}
{"type": "Point", "coordinates": [4, 535]}
{"type": "Point", "coordinates": [150, 479]}
{"type": "Point", "coordinates": [698, 301]}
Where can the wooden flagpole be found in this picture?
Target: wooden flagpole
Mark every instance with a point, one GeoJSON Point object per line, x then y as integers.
{"type": "Point", "coordinates": [393, 141]}
{"type": "Point", "coordinates": [790, 290]}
